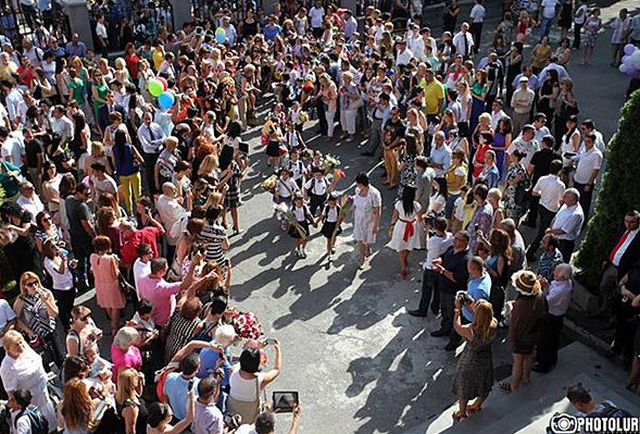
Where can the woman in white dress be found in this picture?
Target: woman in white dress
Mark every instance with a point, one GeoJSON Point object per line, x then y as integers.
{"type": "Point", "coordinates": [405, 221]}
{"type": "Point", "coordinates": [367, 204]}
{"type": "Point", "coordinates": [22, 369]}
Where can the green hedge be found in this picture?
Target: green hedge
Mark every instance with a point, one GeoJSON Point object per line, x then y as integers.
{"type": "Point", "coordinates": [619, 192]}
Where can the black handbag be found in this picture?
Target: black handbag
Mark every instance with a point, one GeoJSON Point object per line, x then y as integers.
{"type": "Point", "coordinates": [127, 289]}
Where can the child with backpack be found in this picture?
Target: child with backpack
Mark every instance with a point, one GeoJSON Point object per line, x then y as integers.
{"type": "Point", "coordinates": [25, 418]}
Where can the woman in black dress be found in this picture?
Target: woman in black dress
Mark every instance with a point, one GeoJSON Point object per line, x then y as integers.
{"type": "Point", "coordinates": [565, 20]}
{"type": "Point", "coordinates": [450, 16]}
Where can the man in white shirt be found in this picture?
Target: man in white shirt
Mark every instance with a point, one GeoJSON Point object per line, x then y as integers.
{"type": "Point", "coordinates": [589, 127]}
{"type": "Point", "coordinates": [29, 200]}
{"type": "Point", "coordinates": [477, 19]}
{"type": "Point", "coordinates": [171, 211]}
{"type": "Point", "coordinates": [464, 42]}
{"type": "Point", "coordinates": [142, 265]}
{"type": "Point", "coordinates": [548, 14]}
{"type": "Point", "coordinates": [62, 125]}
{"type": "Point", "coordinates": [436, 246]}
{"type": "Point", "coordinates": [151, 138]}
{"type": "Point", "coordinates": [562, 72]}
{"type": "Point", "coordinates": [13, 100]}
{"type": "Point", "coordinates": [316, 15]}
{"type": "Point", "coordinates": [525, 143]}
{"type": "Point", "coordinates": [540, 125]}
{"type": "Point", "coordinates": [567, 223]}
{"type": "Point", "coordinates": [550, 189]}
{"type": "Point", "coordinates": [558, 294]}
{"type": "Point", "coordinates": [634, 30]}
{"type": "Point", "coordinates": [522, 104]}
{"type": "Point", "coordinates": [497, 113]}
{"type": "Point", "coordinates": [404, 55]}
{"type": "Point", "coordinates": [13, 149]}
{"type": "Point", "coordinates": [621, 28]}
{"type": "Point", "coordinates": [440, 155]}
{"type": "Point", "coordinates": [421, 42]}
{"type": "Point", "coordinates": [587, 170]}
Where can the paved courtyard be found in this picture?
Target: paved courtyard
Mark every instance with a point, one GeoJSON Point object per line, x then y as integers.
{"type": "Point", "coordinates": [360, 363]}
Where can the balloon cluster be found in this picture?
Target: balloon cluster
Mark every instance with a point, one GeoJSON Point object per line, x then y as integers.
{"type": "Point", "coordinates": [630, 65]}
{"type": "Point", "coordinates": [158, 88]}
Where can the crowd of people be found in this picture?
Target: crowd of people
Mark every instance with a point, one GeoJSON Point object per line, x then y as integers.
{"type": "Point", "coordinates": [123, 175]}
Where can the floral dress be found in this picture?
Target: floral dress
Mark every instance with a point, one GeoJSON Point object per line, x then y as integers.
{"type": "Point", "coordinates": [591, 28]}
{"type": "Point", "coordinates": [513, 199]}
{"type": "Point", "coordinates": [408, 172]}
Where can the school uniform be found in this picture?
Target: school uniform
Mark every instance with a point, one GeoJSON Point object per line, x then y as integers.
{"type": "Point", "coordinates": [285, 189]}
{"type": "Point", "coordinates": [296, 168]}
{"type": "Point", "coordinates": [330, 219]}
{"type": "Point", "coordinates": [301, 214]}
{"type": "Point", "coordinates": [317, 191]}
{"type": "Point", "coordinates": [293, 140]}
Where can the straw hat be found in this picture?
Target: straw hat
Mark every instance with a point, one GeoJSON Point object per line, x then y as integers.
{"type": "Point", "coordinates": [526, 282]}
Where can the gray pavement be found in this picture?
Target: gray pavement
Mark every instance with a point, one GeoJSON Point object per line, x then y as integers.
{"type": "Point", "coordinates": [360, 363]}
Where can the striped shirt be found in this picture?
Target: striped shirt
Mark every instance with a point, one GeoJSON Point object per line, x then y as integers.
{"type": "Point", "coordinates": [213, 237]}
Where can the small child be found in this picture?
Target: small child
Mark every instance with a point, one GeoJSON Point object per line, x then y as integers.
{"type": "Point", "coordinates": [293, 138]}
{"type": "Point", "coordinates": [316, 189]}
{"type": "Point", "coordinates": [296, 167]}
{"type": "Point", "coordinates": [286, 187]}
{"type": "Point", "coordinates": [316, 162]}
{"type": "Point", "coordinates": [329, 218]}
{"type": "Point", "coordinates": [304, 218]}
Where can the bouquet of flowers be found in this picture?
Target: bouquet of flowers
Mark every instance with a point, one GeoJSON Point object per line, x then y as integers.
{"type": "Point", "coordinates": [246, 324]}
{"type": "Point", "coordinates": [331, 162]}
{"type": "Point", "coordinates": [269, 184]}
{"type": "Point", "coordinates": [347, 206]}
{"type": "Point", "coordinates": [291, 219]}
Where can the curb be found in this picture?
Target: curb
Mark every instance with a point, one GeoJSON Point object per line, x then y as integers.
{"type": "Point", "coordinates": [586, 337]}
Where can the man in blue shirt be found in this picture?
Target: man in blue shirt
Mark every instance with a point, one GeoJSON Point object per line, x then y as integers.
{"type": "Point", "coordinates": [176, 385]}
{"type": "Point", "coordinates": [479, 285]}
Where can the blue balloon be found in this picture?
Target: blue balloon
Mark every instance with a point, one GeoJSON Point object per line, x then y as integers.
{"type": "Point", "coordinates": [166, 100]}
{"type": "Point", "coordinates": [221, 35]}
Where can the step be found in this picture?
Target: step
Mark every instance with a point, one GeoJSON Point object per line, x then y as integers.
{"type": "Point", "coordinates": [530, 409]}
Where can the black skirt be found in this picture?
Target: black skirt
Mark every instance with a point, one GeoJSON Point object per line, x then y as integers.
{"type": "Point", "coordinates": [273, 149]}
{"type": "Point", "coordinates": [328, 228]}
{"type": "Point", "coordinates": [293, 230]}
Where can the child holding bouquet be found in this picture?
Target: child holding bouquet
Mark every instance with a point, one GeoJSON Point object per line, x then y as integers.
{"type": "Point", "coordinates": [299, 229]}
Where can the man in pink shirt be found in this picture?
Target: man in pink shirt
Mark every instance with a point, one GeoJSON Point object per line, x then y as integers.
{"type": "Point", "coordinates": [162, 294]}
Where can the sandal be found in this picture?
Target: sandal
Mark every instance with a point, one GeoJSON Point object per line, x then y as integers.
{"type": "Point", "coordinates": [471, 409]}
{"type": "Point", "coordinates": [459, 415]}
{"type": "Point", "coordinates": [506, 387]}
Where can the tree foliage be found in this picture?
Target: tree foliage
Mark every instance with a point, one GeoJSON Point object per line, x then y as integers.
{"type": "Point", "coordinates": [619, 192]}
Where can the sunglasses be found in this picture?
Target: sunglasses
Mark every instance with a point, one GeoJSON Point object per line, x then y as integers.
{"type": "Point", "coordinates": [31, 284]}
{"type": "Point", "coordinates": [84, 318]}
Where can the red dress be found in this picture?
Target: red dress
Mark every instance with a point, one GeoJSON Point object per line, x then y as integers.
{"type": "Point", "coordinates": [478, 159]}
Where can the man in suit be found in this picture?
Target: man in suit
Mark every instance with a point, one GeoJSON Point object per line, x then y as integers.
{"type": "Point", "coordinates": [622, 256]}
{"type": "Point", "coordinates": [424, 182]}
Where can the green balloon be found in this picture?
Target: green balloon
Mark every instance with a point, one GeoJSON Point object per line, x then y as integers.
{"type": "Point", "coordinates": [155, 87]}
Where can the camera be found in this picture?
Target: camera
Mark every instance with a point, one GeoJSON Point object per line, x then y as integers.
{"type": "Point", "coordinates": [563, 424]}
{"type": "Point", "coordinates": [464, 298]}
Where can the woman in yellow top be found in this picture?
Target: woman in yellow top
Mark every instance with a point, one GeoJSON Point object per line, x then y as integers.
{"type": "Point", "coordinates": [456, 178]}
{"type": "Point", "coordinates": [158, 56]}
{"type": "Point", "coordinates": [541, 55]}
